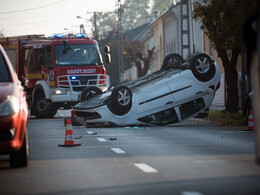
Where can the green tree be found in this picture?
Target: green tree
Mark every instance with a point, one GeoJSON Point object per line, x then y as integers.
{"type": "Point", "coordinates": [221, 20]}
{"type": "Point", "coordinates": [135, 53]}
{"type": "Point", "coordinates": [134, 11]}
{"type": "Point", "coordinates": [106, 23]}
{"type": "Point", "coordinates": [161, 5]}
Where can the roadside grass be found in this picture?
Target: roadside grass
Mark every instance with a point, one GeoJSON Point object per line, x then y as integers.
{"type": "Point", "coordinates": [220, 118]}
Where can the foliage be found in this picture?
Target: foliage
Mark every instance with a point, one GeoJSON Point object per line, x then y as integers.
{"type": "Point", "coordinates": [161, 5]}
{"type": "Point", "coordinates": [134, 11]}
{"type": "Point", "coordinates": [221, 20]}
{"type": "Point", "coordinates": [107, 25]}
{"type": "Point", "coordinates": [136, 53]}
{"type": "Point", "coordinates": [221, 118]}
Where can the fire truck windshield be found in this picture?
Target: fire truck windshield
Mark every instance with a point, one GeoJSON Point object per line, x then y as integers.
{"type": "Point", "coordinates": [77, 54]}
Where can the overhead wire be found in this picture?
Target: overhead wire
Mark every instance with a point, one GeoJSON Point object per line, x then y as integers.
{"type": "Point", "coordinates": [29, 9]}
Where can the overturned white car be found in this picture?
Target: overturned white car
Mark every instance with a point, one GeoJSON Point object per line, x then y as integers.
{"type": "Point", "coordinates": [176, 92]}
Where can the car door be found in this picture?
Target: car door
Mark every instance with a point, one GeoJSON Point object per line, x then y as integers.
{"type": "Point", "coordinates": [184, 89]}
{"type": "Point", "coordinates": [187, 96]}
{"type": "Point", "coordinates": [153, 98]}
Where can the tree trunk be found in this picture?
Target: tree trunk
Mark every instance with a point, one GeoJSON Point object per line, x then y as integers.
{"type": "Point", "coordinates": [231, 78]}
{"type": "Point", "coordinates": [232, 90]}
{"type": "Point", "coordinates": [139, 68]}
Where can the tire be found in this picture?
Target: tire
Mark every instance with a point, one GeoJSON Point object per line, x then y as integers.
{"type": "Point", "coordinates": [121, 98]}
{"type": "Point", "coordinates": [172, 61]}
{"type": "Point", "coordinates": [44, 108]}
{"type": "Point", "coordinates": [20, 158]}
{"type": "Point", "coordinates": [202, 67]}
{"type": "Point", "coordinates": [89, 92]}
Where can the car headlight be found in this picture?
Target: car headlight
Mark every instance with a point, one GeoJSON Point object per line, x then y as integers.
{"type": "Point", "coordinates": [9, 106]}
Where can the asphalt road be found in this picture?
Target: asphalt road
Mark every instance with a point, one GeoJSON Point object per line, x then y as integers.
{"type": "Point", "coordinates": [190, 158]}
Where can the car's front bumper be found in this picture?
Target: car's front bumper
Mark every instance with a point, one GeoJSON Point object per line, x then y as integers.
{"type": "Point", "coordinates": [12, 131]}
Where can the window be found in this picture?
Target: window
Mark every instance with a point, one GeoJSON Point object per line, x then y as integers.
{"type": "Point", "coordinates": [4, 73]}
{"type": "Point", "coordinates": [161, 118]}
{"type": "Point", "coordinates": [28, 58]}
{"type": "Point", "coordinates": [77, 54]}
{"type": "Point", "coordinates": [189, 108]}
{"type": "Point", "coordinates": [43, 57]}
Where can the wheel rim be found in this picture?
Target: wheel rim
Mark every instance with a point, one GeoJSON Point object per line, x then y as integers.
{"type": "Point", "coordinates": [202, 65]}
{"type": "Point", "coordinates": [123, 97]}
{"type": "Point", "coordinates": [42, 105]}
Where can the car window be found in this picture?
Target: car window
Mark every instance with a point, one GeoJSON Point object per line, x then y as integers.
{"type": "Point", "coordinates": [191, 107]}
{"type": "Point", "coordinates": [28, 58]}
{"type": "Point", "coordinates": [161, 118]}
{"type": "Point", "coordinates": [4, 72]}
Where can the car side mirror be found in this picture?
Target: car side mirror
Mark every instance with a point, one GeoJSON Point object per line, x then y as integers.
{"type": "Point", "coordinates": [108, 58]}
{"type": "Point", "coordinates": [107, 49]}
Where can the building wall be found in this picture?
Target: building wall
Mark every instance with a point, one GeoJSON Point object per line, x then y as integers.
{"type": "Point", "coordinates": [170, 34]}
{"type": "Point", "coordinates": [158, 35]}
{"type": "Point", "coordinates": [167, 34]}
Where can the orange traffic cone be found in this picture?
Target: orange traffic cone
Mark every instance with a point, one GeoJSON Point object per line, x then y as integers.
{"type": "Point", "coordinates": [250, 123]}
{"type": "Point", "coordinates": [69, 137]}
{"type": "Point", "coordinates": [72, 114]}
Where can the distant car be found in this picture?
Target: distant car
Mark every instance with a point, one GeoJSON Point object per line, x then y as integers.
{"type": "Point", "coordinates": [176, 92]}
{"type": "Point", "coordinates": [13, 114]}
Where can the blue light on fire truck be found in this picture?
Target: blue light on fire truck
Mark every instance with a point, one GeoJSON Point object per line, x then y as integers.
{"type": "Point", "coordinates": [58, 36]}
{"type": "Point", "coordinates": [73, 77]}
{"type": "Point", "coordinates": [81, 35]}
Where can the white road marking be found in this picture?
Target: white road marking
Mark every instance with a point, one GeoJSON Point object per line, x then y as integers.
{"type": "Point", "coordinates": [236, 132]}
{"type": "Point", "coordinates": [210, 161]}
{"type": "Point", "coordinates": [190, 193]}
{"type": "Point", "coordinates": [101, 139]}
{"type": "Point", "coordinates": [118, 150]}
{"type": "Point", "coordinates": [145, 168]}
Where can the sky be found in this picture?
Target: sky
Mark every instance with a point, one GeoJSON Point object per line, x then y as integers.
{"type": "Point", "coordinates": [48, 17]}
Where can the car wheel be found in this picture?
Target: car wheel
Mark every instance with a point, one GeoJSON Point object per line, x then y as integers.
{"type": "Point", "coordinates": [202, 67]}
{"type": "Point", "coordinates": [89, 92]}
{"type": "Point", "coordinates": [172, 61]}
{"type": "Point", "coordinates": [20, 158]}
{"type": "Point", "coordinates": [44, 108]}
{"type": "Point", "coordinates": [121, 98]}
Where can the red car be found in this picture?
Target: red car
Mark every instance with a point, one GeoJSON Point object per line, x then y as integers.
{"type": "Point", "coordinates": [13, 114]}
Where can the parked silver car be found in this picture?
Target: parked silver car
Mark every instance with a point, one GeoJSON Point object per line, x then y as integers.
{"type": "Point", "coordinates": [176, 92]}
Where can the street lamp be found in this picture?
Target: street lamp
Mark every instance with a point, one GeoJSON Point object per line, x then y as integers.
{"type": "Point", "coordinates": [81, 27]}
{"type": "Point", "coordinates": [95, 32]}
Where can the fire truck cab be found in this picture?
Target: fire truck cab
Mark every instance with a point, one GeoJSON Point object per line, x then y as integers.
{"type": "Point", "coordinates": [55, 70]}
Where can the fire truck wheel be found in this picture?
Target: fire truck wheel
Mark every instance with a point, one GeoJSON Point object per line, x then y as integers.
{"type": "Point", "coordinates": [44, 108]}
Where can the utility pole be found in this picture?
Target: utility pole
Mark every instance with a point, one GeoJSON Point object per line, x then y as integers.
{"type": "Point", "coordinates": [81, 29]}
{"type": "Point", "coordinates": [96, 36]}
{"type": "Point", "coordinates": [185, 28]}
{"type": "Point", "coordinates": [120, 42]}
{"type": "Point", "coordinates": [95, 31]}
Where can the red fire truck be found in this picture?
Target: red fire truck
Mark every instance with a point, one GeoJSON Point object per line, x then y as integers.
{"type": "Point", "coordinates": [55, 70]}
